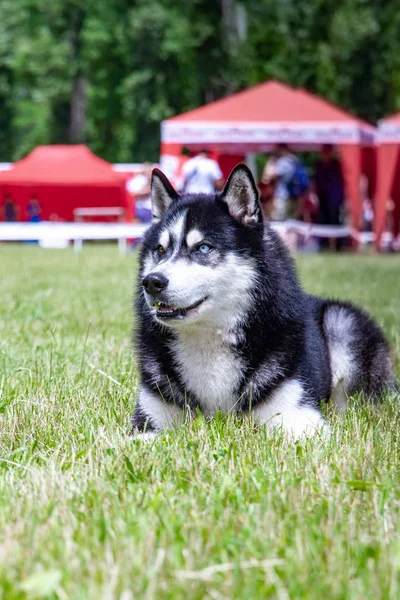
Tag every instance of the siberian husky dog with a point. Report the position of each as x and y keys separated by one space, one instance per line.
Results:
x=225 y=326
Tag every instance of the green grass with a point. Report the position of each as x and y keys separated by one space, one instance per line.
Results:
x=212 y=510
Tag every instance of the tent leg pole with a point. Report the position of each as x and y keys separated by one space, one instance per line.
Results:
x=78 y=243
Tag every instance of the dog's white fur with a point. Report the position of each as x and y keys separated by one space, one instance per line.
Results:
x=284 y=409
x=194 y=237
x=165 y=239
x=338 y=324
x=163 y=414
x=210 y=368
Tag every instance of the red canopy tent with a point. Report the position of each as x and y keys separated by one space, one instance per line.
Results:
x=62 y=178
x=388 y=174
x=258 y=118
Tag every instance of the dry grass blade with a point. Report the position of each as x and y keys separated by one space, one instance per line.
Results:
x=208 y=573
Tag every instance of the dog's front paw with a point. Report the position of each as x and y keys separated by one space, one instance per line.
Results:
x=145 y=436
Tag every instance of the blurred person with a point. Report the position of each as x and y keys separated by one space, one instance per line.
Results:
x=392 y=225
x=396 y=229
x=178 y=177
x=10 y=210
x=309 y=208
x=55 y=218
x=34 y=210
x=266 y=198
x=285 y=176
x=201 y=174
x=308 y=213
x=329 y=187
x=368 y=215
x=139 y=187
x=367 y=206
x=286 y=173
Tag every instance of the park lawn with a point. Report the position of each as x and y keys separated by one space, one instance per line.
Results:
x=213 y=510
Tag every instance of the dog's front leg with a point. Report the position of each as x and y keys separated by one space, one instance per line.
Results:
x=153 y=414
x=142 y=426
x=287 y=407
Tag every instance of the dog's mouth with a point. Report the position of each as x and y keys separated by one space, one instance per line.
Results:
x=169 y=311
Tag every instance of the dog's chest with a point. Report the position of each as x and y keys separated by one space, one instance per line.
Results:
x=209 y=368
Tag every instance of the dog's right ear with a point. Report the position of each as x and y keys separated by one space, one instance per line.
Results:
x=162 y=194
x=241 y=195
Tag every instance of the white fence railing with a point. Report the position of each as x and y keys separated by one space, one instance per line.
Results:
x=58 y=234
x=52 y=234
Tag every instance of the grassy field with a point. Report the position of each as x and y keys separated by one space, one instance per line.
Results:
x=213 y=510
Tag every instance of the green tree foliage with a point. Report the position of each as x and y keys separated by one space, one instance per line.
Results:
x=106 y=72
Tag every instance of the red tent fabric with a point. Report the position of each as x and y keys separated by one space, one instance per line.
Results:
x=258 y=118
x=388 y=175
x=62 y=178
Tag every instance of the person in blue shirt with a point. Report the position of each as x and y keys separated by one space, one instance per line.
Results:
x=34 y=210
x=279 y=171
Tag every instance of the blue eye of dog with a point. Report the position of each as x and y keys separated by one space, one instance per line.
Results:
x=204 y=248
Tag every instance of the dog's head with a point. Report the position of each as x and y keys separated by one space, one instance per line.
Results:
x=198 y=262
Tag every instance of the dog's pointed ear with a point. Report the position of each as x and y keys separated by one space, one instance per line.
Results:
x=241 y=195
x=162 y=194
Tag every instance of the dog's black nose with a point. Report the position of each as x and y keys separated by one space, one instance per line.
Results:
x=155 y=283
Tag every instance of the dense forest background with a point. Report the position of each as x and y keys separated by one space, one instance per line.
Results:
x=106 y=72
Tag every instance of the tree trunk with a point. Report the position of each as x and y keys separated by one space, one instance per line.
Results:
x=78 y=111
x=228 y=22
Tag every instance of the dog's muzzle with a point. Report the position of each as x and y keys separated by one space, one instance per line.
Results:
x=154 y=285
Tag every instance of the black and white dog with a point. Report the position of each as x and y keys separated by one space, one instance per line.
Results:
x=224 y=324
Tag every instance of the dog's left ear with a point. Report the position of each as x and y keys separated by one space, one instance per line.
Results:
x=241 y=195
x=162 y=194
